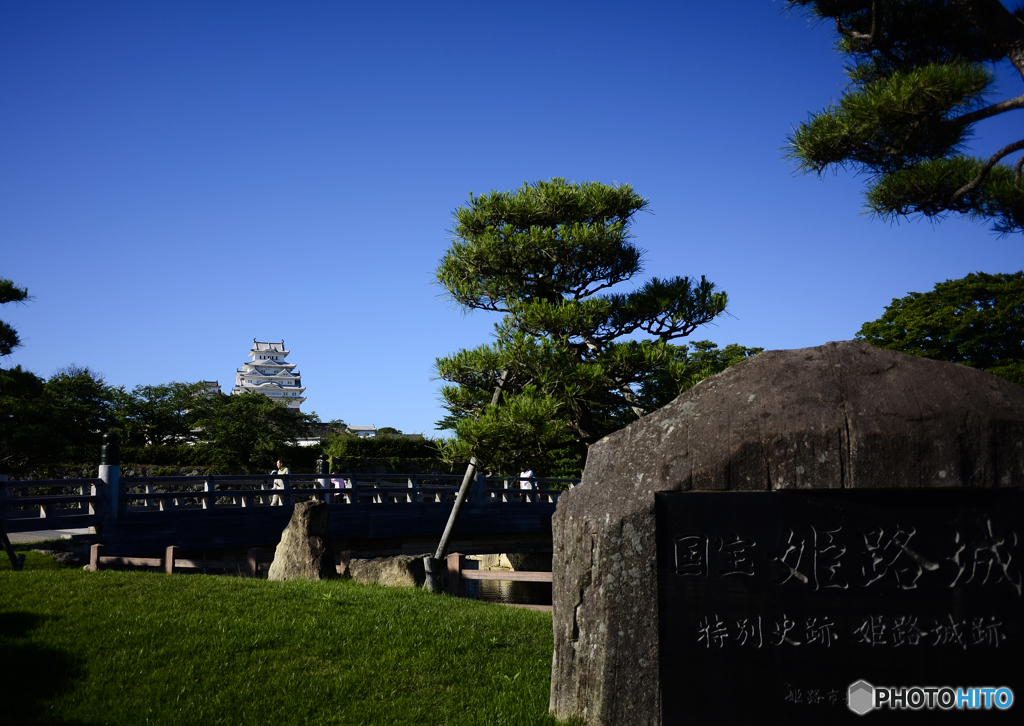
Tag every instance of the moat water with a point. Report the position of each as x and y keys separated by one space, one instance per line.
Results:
x=523 y=593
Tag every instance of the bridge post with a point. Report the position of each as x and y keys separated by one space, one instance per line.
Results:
x=170 y=554
x=254 y=555
x=478 y=494
x=286 y=494
x=455 y=563
x=110 y=473
x=209 y=486
x=323 y=482
x=95 y=553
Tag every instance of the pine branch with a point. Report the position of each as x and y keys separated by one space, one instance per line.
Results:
x=993 y=160
x=995 y=109
x=9 y=292
x=875 y=27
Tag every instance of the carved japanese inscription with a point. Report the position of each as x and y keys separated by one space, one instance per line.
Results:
x=772 y=603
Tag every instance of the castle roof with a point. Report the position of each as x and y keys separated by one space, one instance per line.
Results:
x=272 y=347
x=267 y=364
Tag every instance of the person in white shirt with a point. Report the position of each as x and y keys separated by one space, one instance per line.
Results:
x=281 y=470
x=526 y=482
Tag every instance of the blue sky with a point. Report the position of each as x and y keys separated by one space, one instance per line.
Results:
x=179 y=178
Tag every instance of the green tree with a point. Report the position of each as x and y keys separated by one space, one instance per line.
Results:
x=568 y=351
x=921 y=79
x=691 y=364
x=159 y=415
x=22 y=411
x=247 y=431
x=977 y=320
x=24 y=419
x=81 y=407
x=9 y=293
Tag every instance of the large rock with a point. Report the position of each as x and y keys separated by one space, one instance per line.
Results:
x=398 y=571
x=305 y=550
x=843 y=415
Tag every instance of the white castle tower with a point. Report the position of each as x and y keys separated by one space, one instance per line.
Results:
x=269 y=374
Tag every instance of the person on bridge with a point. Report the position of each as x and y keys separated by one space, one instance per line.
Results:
x=526 y=481
x=281 y=470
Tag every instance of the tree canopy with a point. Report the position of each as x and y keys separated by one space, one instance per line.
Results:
x=81 y=405
x=158 y=415
x=24 y=419
x=247 y=431
x=977 y=320
x=60 y=422
x=568 y=351
x=921 y=79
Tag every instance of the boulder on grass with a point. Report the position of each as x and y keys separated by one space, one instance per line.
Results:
x=399 y=571
x=305 y=550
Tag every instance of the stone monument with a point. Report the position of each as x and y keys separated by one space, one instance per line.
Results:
x=801 y=517
x=304 y=552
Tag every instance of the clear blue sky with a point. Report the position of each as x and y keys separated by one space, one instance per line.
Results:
x=177 y=178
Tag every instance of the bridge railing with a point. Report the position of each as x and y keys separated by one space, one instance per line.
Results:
x=31 y=505
x=73 y=503
x=263 y=490
x=543 y=490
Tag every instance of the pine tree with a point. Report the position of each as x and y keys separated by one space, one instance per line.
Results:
x=921 y=79
x=9 y=293
x=570 y=349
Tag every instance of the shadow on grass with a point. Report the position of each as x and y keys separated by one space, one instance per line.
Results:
x=32 y=675
x=56 y=557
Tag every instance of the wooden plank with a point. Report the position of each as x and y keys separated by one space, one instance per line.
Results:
x=181 y=564
x=50 y=499
x=509 y=575
x=132 y=561
x=32 y=524
x=542 y=608
x=41 y=483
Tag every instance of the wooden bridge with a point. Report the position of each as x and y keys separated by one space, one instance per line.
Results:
x=372 y=515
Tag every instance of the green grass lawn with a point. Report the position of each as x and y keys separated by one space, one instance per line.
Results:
x=139 y=648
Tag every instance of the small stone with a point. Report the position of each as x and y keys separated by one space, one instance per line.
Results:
x=69 y=559
x=399 y=571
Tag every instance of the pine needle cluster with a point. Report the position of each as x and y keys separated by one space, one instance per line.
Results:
x=921 y=79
